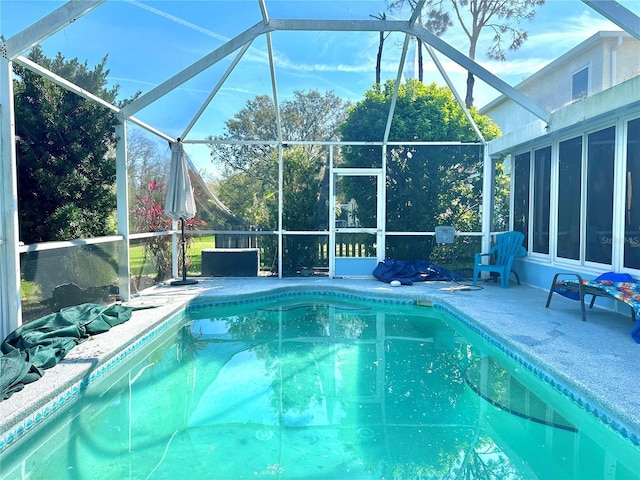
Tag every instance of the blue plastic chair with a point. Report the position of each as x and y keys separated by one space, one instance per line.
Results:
x=508 y=247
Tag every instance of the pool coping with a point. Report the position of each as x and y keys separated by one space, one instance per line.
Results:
x=89 y=361
x=85 y=364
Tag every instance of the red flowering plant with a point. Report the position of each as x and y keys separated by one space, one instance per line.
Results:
x=149 y=216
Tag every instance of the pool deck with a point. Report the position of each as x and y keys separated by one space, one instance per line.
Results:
x=597 y=359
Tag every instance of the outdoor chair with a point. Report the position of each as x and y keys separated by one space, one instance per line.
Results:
x=618 y=286
x=508 y=247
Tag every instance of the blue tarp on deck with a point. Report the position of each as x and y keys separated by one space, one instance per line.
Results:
x=409 y=271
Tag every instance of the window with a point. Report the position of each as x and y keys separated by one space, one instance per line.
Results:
x=570 y=181
x=521 y=175
x=580 y=84
x=632 y=197
x=541 y=199
x=600 y=161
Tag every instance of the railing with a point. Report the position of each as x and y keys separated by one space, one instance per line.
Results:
x=59 y=274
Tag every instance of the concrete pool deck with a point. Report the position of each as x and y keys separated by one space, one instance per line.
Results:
x=597 y=359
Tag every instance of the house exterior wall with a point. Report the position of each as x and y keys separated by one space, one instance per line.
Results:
x=612 y=58
x=612 y=105
x=626 y=58
x=617 y=112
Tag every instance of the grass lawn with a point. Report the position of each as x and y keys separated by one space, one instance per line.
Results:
x=194 y=253
x=141 y=264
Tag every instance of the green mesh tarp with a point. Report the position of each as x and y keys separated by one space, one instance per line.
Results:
x=42 y=343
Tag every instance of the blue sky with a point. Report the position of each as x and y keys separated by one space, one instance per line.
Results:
x=148 y=42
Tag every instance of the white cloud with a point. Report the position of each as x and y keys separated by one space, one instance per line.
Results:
x=575 y=30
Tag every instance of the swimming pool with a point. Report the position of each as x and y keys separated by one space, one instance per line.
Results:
x=322 y=386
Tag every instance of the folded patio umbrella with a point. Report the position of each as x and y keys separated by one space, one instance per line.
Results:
x=180 y=203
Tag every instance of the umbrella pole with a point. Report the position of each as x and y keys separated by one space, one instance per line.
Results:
x=184 y=280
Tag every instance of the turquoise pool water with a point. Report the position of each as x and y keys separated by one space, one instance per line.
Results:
x=321 y=387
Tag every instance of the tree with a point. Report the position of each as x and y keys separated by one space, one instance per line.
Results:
x=381 y=39
x=148 y=216
x=65 y=151
x=426 y=186
x=502 y=17
x=249 y=186
x=308 y=117
x=145 y=161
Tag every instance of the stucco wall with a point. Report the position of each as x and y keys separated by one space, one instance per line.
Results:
x=610 y=63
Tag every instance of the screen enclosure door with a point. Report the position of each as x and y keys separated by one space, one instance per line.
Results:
x=356 y=236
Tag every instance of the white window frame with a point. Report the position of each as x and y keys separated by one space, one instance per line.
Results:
x=574 y=97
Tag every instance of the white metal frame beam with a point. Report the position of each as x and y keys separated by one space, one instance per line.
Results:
x=394 y=98
x=63 y=82
x=276 y=106
x=427 y=37
x=72 y=87
x=10 y=304
x=10 y=300
x=403 y=58
x=618 y=14
x=215 y=90
x=445 y=75
x=335 y=25
x=195 y=68
x=48 y=25
x=122 y=196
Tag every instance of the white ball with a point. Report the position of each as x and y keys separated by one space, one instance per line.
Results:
x=395 y=283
